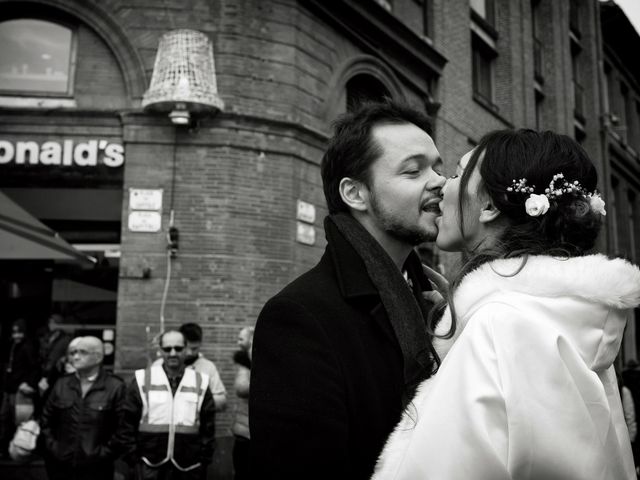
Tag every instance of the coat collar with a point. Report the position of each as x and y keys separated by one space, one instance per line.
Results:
x=98 y=384
x=594 y=282
x=592 y=278
x=351 y=273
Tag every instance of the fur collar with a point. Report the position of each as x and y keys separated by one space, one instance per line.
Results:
x=596 y=278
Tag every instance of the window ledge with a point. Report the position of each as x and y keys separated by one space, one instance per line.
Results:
x=488 y=28
x=37 y=102
x=491 y=108
x=486 y=41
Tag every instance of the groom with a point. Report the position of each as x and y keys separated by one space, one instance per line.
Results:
x=338 y=353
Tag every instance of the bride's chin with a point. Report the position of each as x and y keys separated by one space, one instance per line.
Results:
x=445 y=246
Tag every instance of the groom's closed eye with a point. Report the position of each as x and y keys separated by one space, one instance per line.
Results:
x=438 y=166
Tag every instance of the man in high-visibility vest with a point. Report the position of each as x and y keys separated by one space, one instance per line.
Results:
x=195 y=359
x=169 y=417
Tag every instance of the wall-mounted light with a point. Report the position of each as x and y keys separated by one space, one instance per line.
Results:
x=184 y=77
x=180 y=115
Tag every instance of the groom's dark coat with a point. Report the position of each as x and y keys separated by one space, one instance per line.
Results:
x=327 y=372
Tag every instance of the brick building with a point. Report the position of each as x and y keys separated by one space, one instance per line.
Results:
x=76 y=147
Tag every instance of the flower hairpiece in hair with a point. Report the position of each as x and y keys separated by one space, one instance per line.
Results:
x=538 y=204
x=597 y=203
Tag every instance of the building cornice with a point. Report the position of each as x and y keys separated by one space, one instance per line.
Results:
x=379 y=33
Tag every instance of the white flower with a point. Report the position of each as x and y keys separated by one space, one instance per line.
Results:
x=597 y=204
x=536 y=205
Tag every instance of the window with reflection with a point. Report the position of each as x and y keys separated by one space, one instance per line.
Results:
x=36 y=57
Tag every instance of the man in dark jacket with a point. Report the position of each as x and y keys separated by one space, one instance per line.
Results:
x=338 y=353
x=81 y=418
x=169 y=423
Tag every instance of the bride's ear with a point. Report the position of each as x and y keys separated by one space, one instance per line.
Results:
x=489 y=212
x=353 y=193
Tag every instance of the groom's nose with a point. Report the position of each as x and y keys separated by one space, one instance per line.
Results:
x=435 y=181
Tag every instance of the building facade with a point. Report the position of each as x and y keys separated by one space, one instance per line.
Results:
x=240 y=191
x=620 y=123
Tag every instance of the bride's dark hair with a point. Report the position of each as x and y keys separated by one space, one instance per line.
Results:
x=570 y=226
x=568 y=229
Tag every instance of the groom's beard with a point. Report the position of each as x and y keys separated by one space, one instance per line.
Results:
x=399 y=228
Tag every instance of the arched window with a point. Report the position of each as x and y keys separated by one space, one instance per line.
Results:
x=36 y=57
x=364 y=87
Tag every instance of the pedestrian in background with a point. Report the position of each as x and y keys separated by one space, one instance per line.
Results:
x=53 y=351
x=19 y=382
x=629 y=409
x=82 y=416
x=240 y=428
x=631 y=380
x=169 y=423
x=192 y=333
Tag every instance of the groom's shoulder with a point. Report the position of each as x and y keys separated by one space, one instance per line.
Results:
x=315 y=282
x=312 y=289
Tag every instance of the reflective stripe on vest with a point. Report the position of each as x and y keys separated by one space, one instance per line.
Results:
x=162 y=412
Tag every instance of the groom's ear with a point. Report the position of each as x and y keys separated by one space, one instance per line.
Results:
x=489 y=212
x=353 y=193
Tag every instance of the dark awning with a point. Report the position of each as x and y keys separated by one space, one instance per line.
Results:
x=24 y=237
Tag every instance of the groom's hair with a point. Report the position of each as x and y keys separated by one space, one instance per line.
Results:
x=352 y=150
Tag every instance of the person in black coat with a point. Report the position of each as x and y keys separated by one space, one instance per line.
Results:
x=81 y=420
x=20 y=377
x=338 y=353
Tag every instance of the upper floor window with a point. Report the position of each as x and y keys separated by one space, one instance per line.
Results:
x=427 y=18
x=539 y=108
x=623 y=112
x=538 y=50
x=578 y=89
x=482 y=65
x=574 y=16
x=36 y=58
x=484 y=9
x=364 y=88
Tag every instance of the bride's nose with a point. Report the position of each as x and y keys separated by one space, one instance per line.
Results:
x=444 y=187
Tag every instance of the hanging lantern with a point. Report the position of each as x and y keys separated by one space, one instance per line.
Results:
x=184 y=77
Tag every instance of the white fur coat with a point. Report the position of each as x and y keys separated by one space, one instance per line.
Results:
x=527 y=388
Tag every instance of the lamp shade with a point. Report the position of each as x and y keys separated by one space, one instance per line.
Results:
x=184 y=75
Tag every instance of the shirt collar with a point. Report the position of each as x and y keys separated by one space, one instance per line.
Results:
x=91 y=378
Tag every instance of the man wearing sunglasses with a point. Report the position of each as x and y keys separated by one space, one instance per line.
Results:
x=82 y=416
x=169 y=422
x=195 y=359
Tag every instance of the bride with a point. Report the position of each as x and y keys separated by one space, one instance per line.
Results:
x=527 y=388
